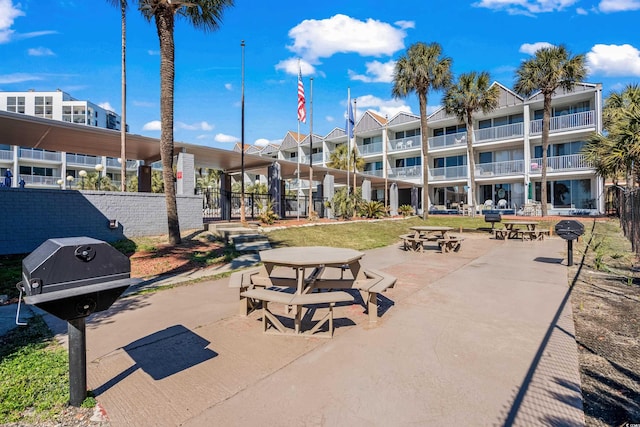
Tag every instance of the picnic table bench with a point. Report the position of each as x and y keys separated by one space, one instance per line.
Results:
x=450 y=243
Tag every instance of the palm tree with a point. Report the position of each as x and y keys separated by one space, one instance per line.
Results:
x=551 y=68
x=420 y=70
x=615 y=153
x=338 y=160
x=202 y=14
x=471 y=94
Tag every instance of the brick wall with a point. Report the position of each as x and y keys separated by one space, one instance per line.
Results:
x=30 y=216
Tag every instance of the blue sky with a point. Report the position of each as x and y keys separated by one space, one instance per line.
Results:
x=74 y=45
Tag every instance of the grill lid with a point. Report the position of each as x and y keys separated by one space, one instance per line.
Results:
x=569 y=229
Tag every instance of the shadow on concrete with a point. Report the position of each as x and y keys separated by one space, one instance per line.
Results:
x=549 y=260
x=164 y=353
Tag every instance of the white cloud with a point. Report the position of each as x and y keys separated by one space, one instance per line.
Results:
x=614 y=60
x=381 y=107
x=330 y=119
x=21 y=36
x=221 y=137
x=314 y=39
x=8 y=12
x=377 y=72
x=228 y=86
x=525 y=7
x=153 y=52
x=581 y=11
x=290 y=66
x=146 y=104
x=40 y=51
x=609 y=6
x=532 y=48
x=106 y=106
x=18 y=78
x=405 y=24
x=153 y=125
x=261 y=142
x=196 y=126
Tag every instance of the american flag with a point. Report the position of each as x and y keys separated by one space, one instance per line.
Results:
x=302 y=111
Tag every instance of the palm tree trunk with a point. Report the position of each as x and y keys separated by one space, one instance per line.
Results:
x=424 y=136
x=165 y=27
x=472 y=164
x=546 y=121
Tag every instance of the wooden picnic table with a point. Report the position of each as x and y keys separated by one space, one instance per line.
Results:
x=422 y=233
x=518 y=229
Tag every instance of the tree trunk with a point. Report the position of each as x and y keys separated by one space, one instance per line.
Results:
x=472 y=164
x=424 y=136
x=546 y=122
x=165 y=26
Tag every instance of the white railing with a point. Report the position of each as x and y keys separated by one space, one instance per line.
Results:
x=410 y=142
x=566 y=122
x=374 y=172
x=447 y=173
x=496 y=133
x=29 y=153
x=115 y=163
x=451 y=140
x=563 y=163
x=407 y=172
x=369 y=149
x=511 y=167
x=6 y=155
x=40 y=180
x=317 y=157
x=82 y=159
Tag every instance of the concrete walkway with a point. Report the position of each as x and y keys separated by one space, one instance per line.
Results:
x=480 y=337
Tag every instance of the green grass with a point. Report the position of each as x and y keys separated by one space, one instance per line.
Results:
x=10 y=274
x=34 y=381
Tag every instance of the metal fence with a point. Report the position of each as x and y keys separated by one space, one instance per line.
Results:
x=630 y=216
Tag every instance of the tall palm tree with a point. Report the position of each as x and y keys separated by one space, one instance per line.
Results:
x=202 y=14
x=422 y=69
x=472 y=93
x=338 y=159
x=550 y=68
x=616 y=153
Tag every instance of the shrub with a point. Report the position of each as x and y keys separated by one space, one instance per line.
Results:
x=372 y=209
x=406 y=210
x=267 y=215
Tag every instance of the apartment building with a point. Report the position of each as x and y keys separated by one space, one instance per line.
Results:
x=51 y=169
x=507 y=149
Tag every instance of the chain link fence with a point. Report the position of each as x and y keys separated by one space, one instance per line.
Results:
x=629 y=208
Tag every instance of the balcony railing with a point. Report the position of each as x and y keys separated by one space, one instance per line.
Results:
x=448 y=173
x=40 y=180
x=115 y=163
x=407 y=172
x=317 y=158
x=585 y=119
x=451 y=140
x=496 y=133
x=410 y=142
x=369 y=149
x=6 y=155
x=511 y=167
x=563 y=163
x=374 y=172
x=29 y=153
x=82 y=160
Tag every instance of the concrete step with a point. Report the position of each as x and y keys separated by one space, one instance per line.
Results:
x=250 y=242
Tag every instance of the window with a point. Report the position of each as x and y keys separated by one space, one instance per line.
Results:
x=15 y=104
x=406 y=133
x=372 y=140
x=486 y=157
x=35 y=171
x=43 y=106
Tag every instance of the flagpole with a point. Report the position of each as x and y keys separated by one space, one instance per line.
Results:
x=243 y=219
x=348 y=140
x=311 y=149
x=298 y=170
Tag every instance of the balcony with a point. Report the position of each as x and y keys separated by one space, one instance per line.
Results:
x=82 y=160
x=411 y=142
x=451 y=140
x=374 y=172
x=370 y=149
x=574 y=121
x=6 y=155
x=407 y=172
x=448 y=173
x=511 y=167
x=317 y=158
x=571 y=162
x=33 y=154
x=498 y=133
x=40 y=180
x=115 y=163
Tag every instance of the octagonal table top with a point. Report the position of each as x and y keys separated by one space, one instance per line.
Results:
x=310 y=256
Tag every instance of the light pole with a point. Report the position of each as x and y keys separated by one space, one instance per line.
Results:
x=83 y=174
x=60 y=182
x=243 y=219
x=69 y=180
x=99 y=168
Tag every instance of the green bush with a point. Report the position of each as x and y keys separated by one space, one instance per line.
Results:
x=267 y=215
x=372 y=209
x=406 y=210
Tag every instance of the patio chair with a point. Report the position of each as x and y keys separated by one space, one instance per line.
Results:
x=488 y=204
x=502 y=204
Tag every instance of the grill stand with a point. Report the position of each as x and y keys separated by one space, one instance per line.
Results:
x=77 y=361
x=569 y=253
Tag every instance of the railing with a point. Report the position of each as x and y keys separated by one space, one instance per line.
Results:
x=374 y=172
x=496 y=133
x=407 y=172
x=115 y=163
x=6 y=155
x=447 y=173
x=511 y=167
x=564 y=163
x=40 y=180
x=82 y=159
x=451 y=140
x=566 y=122
x=29 y=153
x=317 y=157
x=369 y=149
x=410 y=142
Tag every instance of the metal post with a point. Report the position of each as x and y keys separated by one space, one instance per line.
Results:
x=243 y=219
x=77 y=361
x=569 y=253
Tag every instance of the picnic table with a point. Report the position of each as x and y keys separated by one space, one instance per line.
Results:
x=519 y=230
x=423 y=233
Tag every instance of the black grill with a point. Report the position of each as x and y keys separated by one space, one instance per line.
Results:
x=569 y=229
x=492 y=217
x=75 y=276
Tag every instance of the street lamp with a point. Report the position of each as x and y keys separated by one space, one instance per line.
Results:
x=60 y=182
x=83 y=174
x=69 y=180
x=99 y=168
